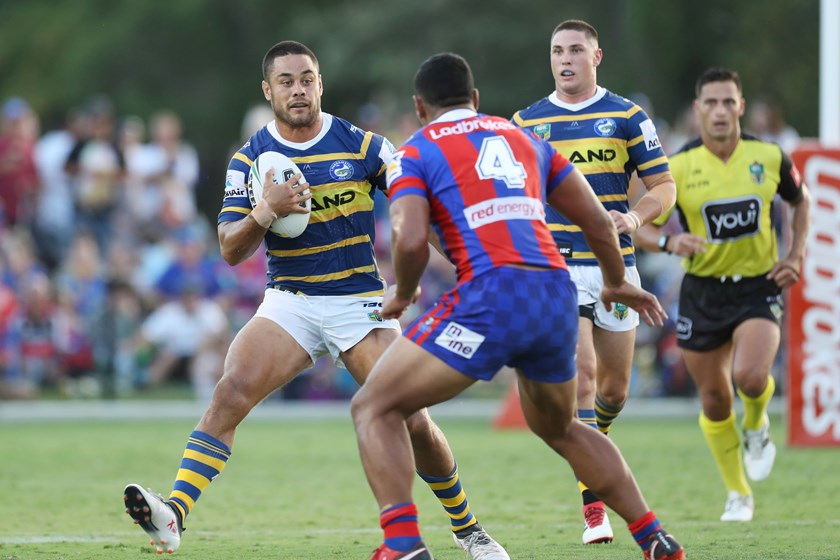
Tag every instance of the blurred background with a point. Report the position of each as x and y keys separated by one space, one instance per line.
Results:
x=119 y=118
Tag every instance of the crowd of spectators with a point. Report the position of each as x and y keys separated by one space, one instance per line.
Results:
x=111 y=284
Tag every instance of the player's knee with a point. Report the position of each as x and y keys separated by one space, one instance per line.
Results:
x=613 y=395
x=751 y=381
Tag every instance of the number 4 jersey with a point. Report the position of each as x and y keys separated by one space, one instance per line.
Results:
x=486 y=181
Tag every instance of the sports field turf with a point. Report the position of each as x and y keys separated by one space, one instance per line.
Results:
x=295 y=489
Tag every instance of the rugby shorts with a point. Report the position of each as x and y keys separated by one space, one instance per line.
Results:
x=711 y=308
x=590 y=282
x=324 y=324
x=526 y=319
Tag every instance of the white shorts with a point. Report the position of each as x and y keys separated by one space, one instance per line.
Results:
x=590 y=282
x=325 y=324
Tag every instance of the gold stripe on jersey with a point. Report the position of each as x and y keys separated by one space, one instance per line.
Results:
x=312 y=250
x=590 y=255
x=592 y=155
x=612 y=197
x=243 y=158
x=361 y=154
x=343 y=198
x=240 y=209
x=328 y=277
x=571 y=118
x=563 y=227
x=653 y=163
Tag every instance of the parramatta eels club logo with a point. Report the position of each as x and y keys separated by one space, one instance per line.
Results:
x=543 y=131
x=605 y=127
x=620 y=311
x=341 y=170
x=757 y=172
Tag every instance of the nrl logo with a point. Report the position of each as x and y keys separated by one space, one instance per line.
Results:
x=543 y=131
x=757 y=172
x=620 y=311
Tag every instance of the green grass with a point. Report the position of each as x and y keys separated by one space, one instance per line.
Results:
x=295 y=490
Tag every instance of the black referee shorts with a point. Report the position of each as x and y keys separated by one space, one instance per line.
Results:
x=711 y=308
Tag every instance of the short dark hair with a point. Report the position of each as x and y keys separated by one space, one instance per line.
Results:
x=577 y=25
x=717 y=74
x=444 y=80
x=284 y=48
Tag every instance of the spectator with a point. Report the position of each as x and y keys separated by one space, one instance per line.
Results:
x=54 y=212
x=766 y=120
x=18 y=175
x=189 y=336
x=98 y=169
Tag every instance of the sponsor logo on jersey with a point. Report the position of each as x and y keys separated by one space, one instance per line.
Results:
x=605 y=127
x=543 y=131
x=341 y=170
x=506 y=208
x=427 y=325
x=683 y=328
x=592 y=155
x=470 y=125
x=235 y=184
x=460 y=340
x=565 y=249
x=339 y=199
x=757 y=172
x=649 y=133
x=728 y=220
x=620 y=311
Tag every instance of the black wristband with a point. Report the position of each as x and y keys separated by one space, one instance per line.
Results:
x=663 y=244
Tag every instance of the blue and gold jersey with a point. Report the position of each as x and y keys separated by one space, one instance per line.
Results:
x=607 y=137
x=344 y=166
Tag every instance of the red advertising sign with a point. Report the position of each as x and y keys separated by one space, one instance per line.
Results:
x=814 y=311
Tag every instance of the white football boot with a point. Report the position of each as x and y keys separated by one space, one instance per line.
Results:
x=759 y=451
x=155 y=516
x=738 y=508
x=478 y=545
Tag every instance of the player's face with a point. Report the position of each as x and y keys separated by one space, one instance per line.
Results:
x=294 y=89
x=720 y=107
x=574 y=58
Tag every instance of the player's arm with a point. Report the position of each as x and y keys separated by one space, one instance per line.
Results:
x=575 y=198
x=239 y=239
x=659 y=198
x=787 y=271
x=409 y=252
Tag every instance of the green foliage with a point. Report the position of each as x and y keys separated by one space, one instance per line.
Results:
x=202 y=57
x=295 y=489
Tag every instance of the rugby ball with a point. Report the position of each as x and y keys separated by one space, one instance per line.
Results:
x=290 y=225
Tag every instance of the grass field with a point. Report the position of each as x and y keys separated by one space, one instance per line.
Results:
x=295 y=489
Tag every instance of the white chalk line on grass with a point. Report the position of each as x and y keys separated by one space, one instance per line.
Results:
x=122 y=537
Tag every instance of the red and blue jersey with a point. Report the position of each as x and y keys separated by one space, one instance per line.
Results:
x=486 y=181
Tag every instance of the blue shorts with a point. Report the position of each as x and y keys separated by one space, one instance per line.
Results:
x=526 y=319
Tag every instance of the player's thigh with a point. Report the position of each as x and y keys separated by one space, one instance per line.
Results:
x=614 y=351
x=361 y=358
x=711 y=372
x=407 y=378
x=548 y=407
x=262 y=358
x=585 y=360
x=755 y=343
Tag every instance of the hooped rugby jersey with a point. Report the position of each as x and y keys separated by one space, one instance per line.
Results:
x=730 y=204
x=344 y=166
x=486 y=181
x=607 y=137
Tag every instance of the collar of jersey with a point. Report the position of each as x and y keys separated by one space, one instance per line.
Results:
x=325 y=127
x=599 y=94
x=455 y=115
